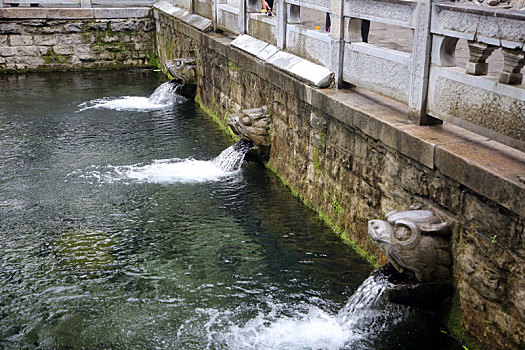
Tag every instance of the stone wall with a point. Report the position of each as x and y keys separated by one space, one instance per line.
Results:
x=354 y=157
x=65 y=42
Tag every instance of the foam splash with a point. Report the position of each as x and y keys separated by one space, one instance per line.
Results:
x=162 y=171
x=313 y=329
x=173 y=170
x=163 y=97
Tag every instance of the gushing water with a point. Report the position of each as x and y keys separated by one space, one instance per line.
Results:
x=165 y=93
x=366 y=314
x=232 y=157
x=174 y=170
x=164 y=96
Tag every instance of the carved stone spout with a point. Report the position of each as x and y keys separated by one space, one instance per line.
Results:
x=416 y=242
x=252 y=124
x=183 y=70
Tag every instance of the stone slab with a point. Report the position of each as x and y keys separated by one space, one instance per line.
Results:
x=129 y=12
x=249 y=44
x=310 y=72
x=488 y=168
x=76 y=13
x=267 y=52
x=24 y=13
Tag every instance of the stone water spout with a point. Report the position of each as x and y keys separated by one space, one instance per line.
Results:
x=252 y=124
x=416 y=243
x=184 y=71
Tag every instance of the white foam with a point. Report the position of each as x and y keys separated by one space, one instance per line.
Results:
x=163 y=97
x=175 y=170
x=315 y=329
x=163 y=171
x=134 y=103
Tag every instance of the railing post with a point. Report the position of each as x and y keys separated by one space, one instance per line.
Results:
x=242 y=16
x=214 y=14
x=282 y=21
x=338 y=45
x=85 y=3
x=418 y=87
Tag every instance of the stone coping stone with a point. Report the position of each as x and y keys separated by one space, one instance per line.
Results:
x=305 y=70
x=74 y=13
x=483 y=11
x=203 y=24
x=256 y=47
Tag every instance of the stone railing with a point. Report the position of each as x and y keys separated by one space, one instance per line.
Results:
x=428 y=82
x=77 y=3
x=490 y=104
x=391 y=73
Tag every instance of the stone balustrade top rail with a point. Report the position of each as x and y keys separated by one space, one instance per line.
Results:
x=76 y=3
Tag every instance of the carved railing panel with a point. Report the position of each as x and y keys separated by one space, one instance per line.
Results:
x=468 y=94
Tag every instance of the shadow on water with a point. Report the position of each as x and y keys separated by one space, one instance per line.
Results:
x=121 y=230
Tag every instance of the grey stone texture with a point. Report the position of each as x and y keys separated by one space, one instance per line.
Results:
x=355 y=157
x=75 y=44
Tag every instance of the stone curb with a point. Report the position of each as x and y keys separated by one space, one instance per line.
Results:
x=74 y=13
x=305 y=70
x=200 y=23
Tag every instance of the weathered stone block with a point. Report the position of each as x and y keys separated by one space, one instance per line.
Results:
x=6 y=51
x=45 y=40
x=32 y=13
x=121 y=25
x=10 y=28
x=74 y=27
x=21 y=40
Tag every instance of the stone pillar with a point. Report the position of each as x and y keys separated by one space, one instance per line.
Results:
x=281 y=23
x=513 y=62
x=243 y=13
x=479 y=52
x=338 y=44
x=85 y=3
x=214 y=14
x=418 y=86
x=294 y=14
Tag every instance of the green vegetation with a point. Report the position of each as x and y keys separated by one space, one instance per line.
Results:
x=215 y=116
x=338 y=229
x=317 y=164
x=154 y=60
x=51 y=57
x=451 y=318
x=233 y=66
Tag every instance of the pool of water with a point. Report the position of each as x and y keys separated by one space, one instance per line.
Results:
x=115 y=233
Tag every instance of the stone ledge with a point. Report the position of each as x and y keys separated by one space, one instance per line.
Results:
x=312 y=73
x=487 y=167
x=200 y=23
x=74 y=13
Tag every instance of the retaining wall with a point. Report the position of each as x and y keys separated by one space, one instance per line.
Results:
x=354 y=156
x=41 y=39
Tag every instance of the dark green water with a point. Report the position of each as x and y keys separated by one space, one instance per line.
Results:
x=113 y=237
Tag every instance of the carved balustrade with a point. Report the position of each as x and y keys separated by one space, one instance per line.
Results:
x=469 y=95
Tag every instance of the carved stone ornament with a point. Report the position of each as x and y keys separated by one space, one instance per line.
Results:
x=183 y=69
x=416 y=242
x=252 y=124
